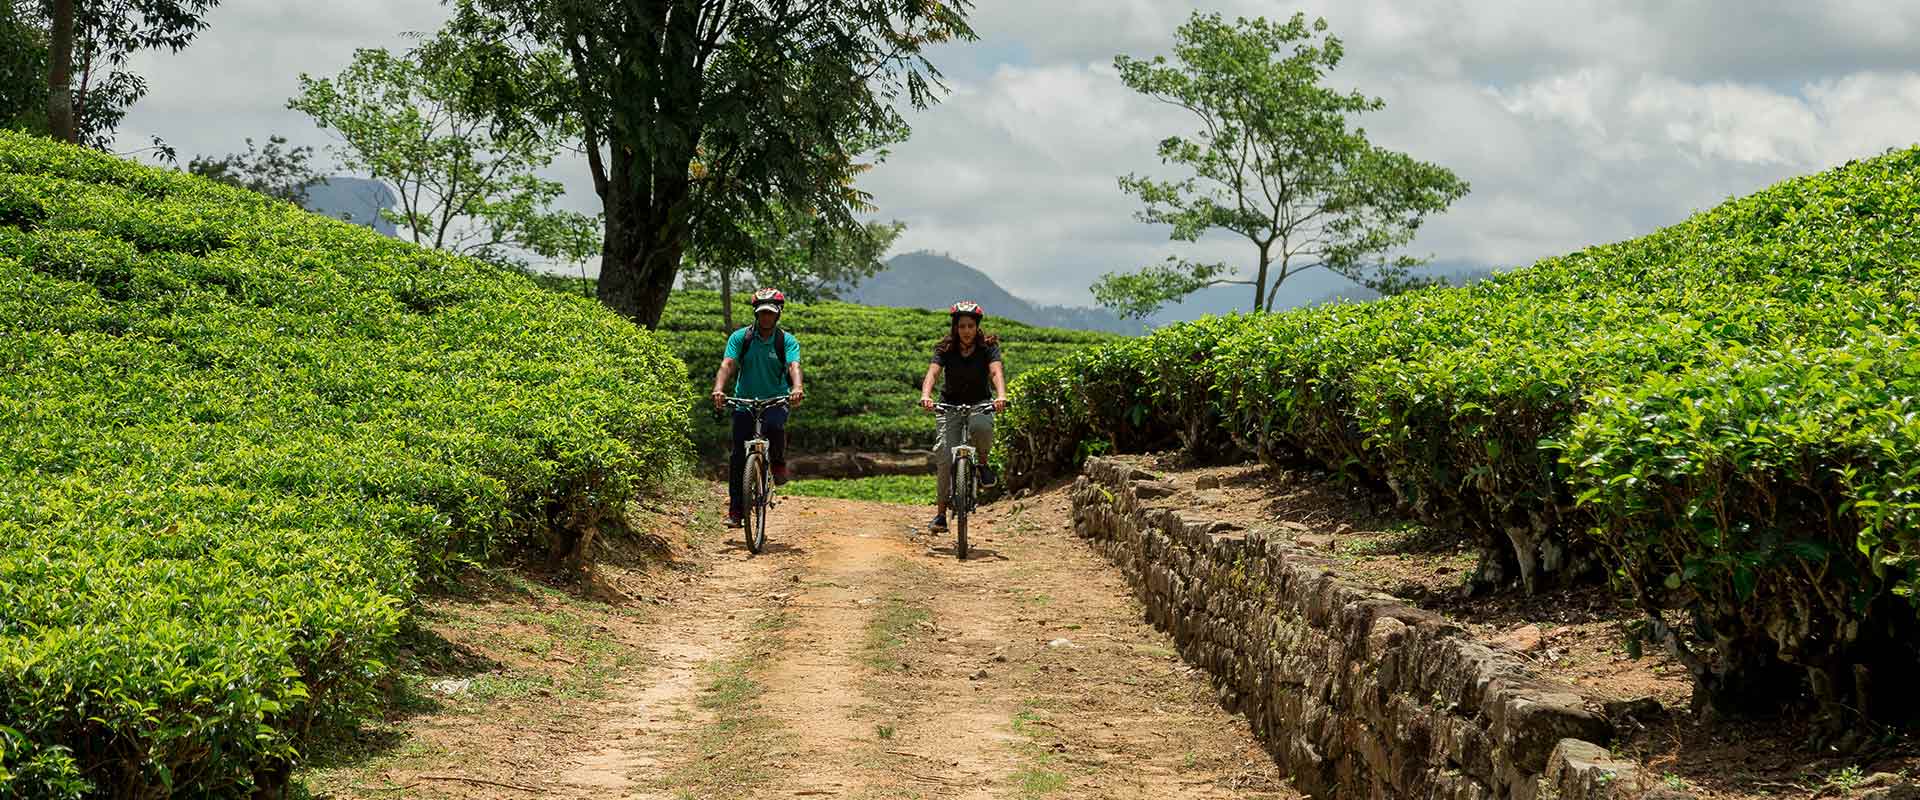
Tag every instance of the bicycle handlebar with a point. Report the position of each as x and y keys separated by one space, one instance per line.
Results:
x=972 y=408
x=750 y=404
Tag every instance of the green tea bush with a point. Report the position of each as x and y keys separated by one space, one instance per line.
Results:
x=1553 y=415
x=234 y=437
x=863 y=366
x=1776 y=490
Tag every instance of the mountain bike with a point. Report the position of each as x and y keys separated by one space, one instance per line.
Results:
x=757 y=475
x=966 y=475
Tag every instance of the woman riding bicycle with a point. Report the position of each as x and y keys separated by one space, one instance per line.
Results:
x=971 y=359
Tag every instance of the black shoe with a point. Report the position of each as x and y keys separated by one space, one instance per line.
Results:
x=987 y=478
x=780 y=475
x=938 y=523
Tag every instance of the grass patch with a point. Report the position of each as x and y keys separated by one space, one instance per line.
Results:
x=901 y=489
x=1406 y=539
x=889 y=629
x=1038 y=781
x=1038 y=778
x=728 y=753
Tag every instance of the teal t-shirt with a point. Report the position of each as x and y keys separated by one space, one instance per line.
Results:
x=760 y=375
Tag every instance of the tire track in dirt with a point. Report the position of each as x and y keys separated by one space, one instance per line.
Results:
x=644 y=721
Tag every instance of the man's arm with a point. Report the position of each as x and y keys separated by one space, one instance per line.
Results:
x=926 y=386
x=999 y=375
x=727 y=368
x=794 y=380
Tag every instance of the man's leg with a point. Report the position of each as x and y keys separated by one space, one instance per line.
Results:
x=737 y=462
x=774 y=425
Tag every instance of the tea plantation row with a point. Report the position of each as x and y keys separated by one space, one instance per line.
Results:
x=1723 y=417
x=862 y=365
x=234 y=439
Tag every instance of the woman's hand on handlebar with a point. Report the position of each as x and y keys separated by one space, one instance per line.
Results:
x=999 y=404
x=926 y=403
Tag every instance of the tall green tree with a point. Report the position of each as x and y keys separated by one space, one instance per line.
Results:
x=23 y=68
x=464 y=186
x=1276 y=160
x=90 y=42
x=772 y=99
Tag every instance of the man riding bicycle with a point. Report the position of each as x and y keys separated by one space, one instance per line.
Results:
x=767 y=360
x=971 y=359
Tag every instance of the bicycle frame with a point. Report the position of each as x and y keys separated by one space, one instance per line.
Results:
x=963 y=450
x=964 y=489
x=760 y=483
x=758 y=408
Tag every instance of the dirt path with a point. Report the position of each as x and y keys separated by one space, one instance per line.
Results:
x=858 y=658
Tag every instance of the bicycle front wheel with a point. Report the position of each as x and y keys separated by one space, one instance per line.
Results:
x=754 y=522
x=962 y=504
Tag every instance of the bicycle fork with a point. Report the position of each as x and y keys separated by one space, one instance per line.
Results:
x=967 y=452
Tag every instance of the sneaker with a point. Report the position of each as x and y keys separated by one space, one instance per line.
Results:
x=733 y=520
x=780 y=475
x=987 y=477
x=938 y=523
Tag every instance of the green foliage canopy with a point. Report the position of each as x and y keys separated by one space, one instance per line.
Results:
x=463 y=185
x=1278 y=162
x=692 y=108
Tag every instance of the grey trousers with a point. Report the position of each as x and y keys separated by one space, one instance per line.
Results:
x=978 y=431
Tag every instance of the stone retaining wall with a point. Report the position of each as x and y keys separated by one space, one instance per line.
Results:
x=1356 y=694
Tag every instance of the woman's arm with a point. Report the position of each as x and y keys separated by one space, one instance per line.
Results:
x=926 y=386
x=999 y=375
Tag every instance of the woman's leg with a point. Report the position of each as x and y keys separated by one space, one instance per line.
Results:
x=949 y=437
x=980 y=434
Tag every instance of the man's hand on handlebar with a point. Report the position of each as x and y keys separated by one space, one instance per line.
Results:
x=797 y=395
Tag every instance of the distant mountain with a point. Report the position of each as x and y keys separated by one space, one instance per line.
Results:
x=928 y=280
x=931 y=280
x=1308 y=289
x=356 y=200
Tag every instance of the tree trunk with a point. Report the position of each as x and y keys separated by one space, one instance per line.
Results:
x=60 y=121
x=646 y=235
x=726 y=300
x=1260 y=283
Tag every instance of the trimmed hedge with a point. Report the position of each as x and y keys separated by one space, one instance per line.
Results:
x=233 y=439
x=863 y=366
x=1557 y=416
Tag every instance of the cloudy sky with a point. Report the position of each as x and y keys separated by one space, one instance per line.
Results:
x=1576 y=122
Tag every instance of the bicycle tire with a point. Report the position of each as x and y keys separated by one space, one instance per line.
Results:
x=962 y=504
x=754 y=520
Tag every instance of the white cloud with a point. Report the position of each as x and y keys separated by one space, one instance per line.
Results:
x=1581 y=122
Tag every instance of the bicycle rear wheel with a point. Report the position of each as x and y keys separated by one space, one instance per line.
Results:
x=962 y=503
x=753 y=523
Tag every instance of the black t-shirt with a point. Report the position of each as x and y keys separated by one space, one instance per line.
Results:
x=967 y=375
